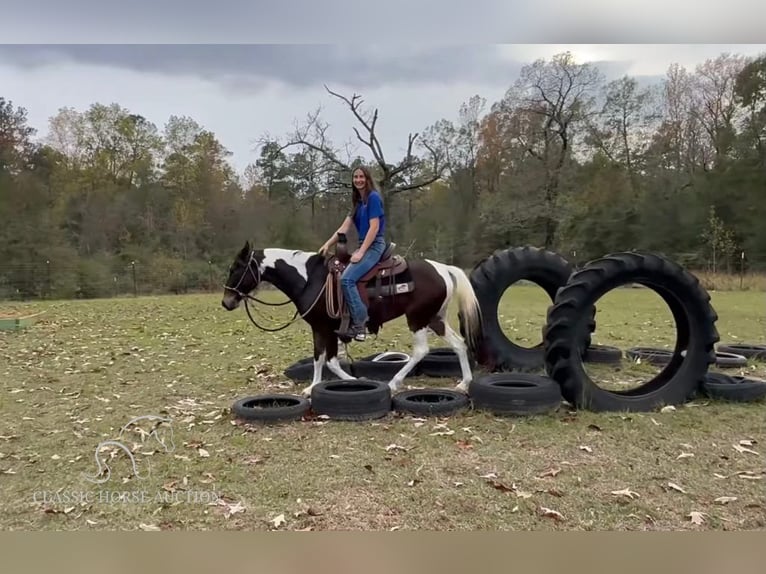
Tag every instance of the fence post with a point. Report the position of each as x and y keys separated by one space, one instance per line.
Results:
x=741 y=270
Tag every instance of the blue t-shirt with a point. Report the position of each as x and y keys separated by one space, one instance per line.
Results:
x=364 y=212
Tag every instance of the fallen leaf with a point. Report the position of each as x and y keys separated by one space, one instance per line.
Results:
x=626 y=492
x=725 y=499
x=550 y=513
x=676 y=487
x=741 y=449
x=594 y=427
x=696 y=517
x=203 y=453
x=685 y=455
x=586 y=448
x=278 y=521
x=496 y=484
x=747 y=442
x=550 y=472
x=668 y=409
x=391 y=447
x=149 y=527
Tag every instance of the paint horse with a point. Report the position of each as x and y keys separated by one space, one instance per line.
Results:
x=418 y=289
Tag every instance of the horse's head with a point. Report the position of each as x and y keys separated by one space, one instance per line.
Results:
x=244 y=277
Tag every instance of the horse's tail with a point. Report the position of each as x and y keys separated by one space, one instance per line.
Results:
x=470 y=311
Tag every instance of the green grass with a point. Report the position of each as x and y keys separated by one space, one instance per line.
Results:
x=88 y=367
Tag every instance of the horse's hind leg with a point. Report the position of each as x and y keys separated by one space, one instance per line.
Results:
x=441 y=327
x=419 y=350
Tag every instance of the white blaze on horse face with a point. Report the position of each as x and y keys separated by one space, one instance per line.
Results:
x=298 y=260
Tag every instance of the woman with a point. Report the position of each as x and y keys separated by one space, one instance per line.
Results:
x=367 y=216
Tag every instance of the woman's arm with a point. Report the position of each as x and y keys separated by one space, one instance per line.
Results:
x=344 y=228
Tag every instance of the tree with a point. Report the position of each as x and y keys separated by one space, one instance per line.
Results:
x=541 y=113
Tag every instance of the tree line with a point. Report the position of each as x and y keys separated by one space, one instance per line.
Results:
x=107 y=200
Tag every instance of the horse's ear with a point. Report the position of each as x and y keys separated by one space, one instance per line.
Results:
x=245 y=249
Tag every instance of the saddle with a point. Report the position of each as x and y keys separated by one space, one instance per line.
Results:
x=388 y=278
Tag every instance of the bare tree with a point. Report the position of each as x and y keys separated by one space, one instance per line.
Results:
x=409 y=173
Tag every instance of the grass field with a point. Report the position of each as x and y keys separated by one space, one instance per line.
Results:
x=88 y=367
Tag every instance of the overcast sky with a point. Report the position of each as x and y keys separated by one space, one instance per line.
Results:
x=412 y=68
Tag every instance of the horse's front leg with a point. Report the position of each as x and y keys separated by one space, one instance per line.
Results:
x=320 y=355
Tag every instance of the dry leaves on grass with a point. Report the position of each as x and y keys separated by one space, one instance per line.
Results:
x=742 y=449
x=550 y=513
x=696 y=517
x=626 y=492
x=725 y=499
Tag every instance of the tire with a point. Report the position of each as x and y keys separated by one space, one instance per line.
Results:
x=652 y=355
x=441 y=362
x=749 y=351
x=429 y=402
x=689 y=303
x=271 y=408
x=732 y=388
x=382 y=366
x=515 y=394
x=729 y=360
x=604 y=354
x=491 y=278
x=303 y=370
x=351 y=400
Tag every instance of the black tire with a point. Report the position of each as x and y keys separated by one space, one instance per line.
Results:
x=303 y=370
x=441 y=362
x=729 y=360
x=271 y=408
x=352 y=399
x=382 y=366
x=749 y=351
x=604 y=354
x=515 y=394
x=723 y=387
x=689 y=303
x=491 y=278
x=429 y=401
x=651 y=355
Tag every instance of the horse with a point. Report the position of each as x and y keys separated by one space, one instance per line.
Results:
x=418 y=289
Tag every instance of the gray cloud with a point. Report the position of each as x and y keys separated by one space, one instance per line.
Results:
x=300 y=66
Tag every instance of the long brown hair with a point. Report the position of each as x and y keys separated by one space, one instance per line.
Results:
x=356 y=197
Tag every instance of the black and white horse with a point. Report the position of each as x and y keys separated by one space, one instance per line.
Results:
x=302 y=276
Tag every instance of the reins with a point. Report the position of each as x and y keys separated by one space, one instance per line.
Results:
x=247 y=297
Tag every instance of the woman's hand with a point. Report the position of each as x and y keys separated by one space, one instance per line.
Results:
x=356 y=256
x=324 y=249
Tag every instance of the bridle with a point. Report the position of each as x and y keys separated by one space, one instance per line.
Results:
x=256 y=274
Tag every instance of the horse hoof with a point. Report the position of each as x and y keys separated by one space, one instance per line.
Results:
x=462 y=388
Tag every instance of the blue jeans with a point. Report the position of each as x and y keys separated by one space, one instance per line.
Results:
x=353 y=273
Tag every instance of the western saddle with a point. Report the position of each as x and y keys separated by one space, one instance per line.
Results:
x=387 y=278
